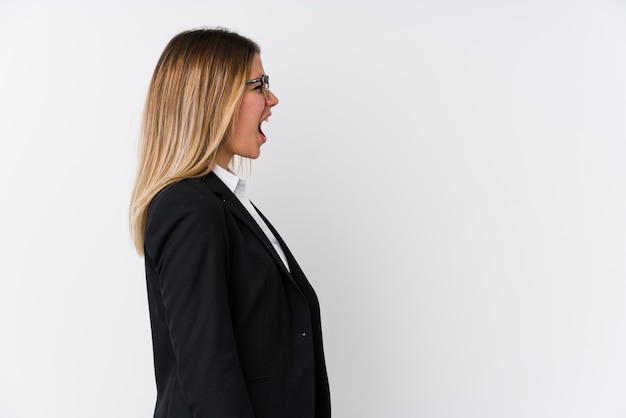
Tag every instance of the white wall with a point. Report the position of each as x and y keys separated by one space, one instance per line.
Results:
x=450 y=175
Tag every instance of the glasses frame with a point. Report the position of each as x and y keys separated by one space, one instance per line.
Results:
x=265 y=84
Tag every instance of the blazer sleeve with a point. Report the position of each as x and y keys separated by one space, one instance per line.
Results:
x=186 y=239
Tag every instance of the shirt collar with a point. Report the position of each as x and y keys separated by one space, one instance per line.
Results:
x=230 y=179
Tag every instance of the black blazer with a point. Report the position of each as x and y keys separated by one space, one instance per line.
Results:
x=234 y=333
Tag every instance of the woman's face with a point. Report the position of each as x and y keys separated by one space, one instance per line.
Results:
x=255 y=109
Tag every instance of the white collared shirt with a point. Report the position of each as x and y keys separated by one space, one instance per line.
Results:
x=238 y=187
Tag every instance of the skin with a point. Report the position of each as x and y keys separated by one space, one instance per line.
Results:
x=254 y=110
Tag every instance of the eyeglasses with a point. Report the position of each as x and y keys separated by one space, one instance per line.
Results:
x=265 y=84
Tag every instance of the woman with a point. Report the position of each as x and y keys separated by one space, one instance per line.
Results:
x=235 y=324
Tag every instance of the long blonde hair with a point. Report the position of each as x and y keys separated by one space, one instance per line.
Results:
x=190 y=110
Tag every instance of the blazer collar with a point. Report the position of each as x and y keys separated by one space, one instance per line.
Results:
x=238 y=210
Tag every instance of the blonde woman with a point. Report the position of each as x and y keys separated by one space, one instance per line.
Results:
x=235 y=323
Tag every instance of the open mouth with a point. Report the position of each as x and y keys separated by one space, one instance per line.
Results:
x=261 y=130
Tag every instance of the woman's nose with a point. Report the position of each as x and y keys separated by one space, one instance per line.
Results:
x=271 y=100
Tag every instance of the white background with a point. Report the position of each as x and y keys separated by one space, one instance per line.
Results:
x=450 y=174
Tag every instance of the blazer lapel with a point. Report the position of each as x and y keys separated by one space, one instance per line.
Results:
x=238 y=210
x=297 y=275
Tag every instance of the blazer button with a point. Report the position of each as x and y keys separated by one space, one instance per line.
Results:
x=302 y=334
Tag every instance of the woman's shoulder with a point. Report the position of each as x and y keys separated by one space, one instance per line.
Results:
x=185 y=197
x=183 y=212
